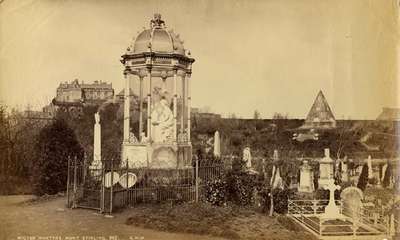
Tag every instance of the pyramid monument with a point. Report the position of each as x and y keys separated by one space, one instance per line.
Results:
x=320 y=115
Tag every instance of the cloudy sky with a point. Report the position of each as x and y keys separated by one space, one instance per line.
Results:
x=273 y=55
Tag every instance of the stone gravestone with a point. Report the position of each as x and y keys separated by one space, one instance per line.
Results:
x=217 y=145
x=306 y=178
x=351 y=199
x=276 y=179
x=247 y=157
x=325 y=170
x=370 y=171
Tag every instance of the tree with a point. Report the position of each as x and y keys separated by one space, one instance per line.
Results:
x=363 y=179
x=56 y=143
x=256 y=115
x=388 y=175
x=280 y=116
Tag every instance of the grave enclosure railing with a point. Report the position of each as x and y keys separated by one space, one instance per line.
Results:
x=309 y=213
x=97 y=187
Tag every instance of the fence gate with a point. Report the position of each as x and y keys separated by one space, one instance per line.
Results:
x=85 y=186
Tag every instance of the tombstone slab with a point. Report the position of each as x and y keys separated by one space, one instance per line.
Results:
x=306 y=178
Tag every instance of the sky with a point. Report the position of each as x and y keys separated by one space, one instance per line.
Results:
x=272 y=56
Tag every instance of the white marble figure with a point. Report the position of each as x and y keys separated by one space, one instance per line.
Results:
x=247 y=157
x=97 y=118
x=132 y=138
x=182 y=136
x=143 y=138
x=162 y=121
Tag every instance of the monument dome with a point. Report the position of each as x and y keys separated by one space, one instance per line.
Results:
x=158 y=39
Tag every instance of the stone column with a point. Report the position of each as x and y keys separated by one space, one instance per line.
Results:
x=149 y=97
x=183 y=104
x=126 y=106
x=140 y=107
x=175 y=102
x=189 y=99
x=96 y=164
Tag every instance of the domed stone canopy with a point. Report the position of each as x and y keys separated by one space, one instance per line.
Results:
x=159 y=50
x=162 y=68
x=158 y=39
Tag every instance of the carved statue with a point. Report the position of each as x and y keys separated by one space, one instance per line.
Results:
x=143 y=138
x=182 y=136
x=132 y=138
x=156 y=21
x=162 y=122
x=97 y=117
x=247 y=157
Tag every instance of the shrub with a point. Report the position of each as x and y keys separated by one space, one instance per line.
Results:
x=241 y=187
x=215 y=192
x=56 y=143
x=281 y=197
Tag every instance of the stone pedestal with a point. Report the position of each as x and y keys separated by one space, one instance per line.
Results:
x=156 y=155
x=306 y=178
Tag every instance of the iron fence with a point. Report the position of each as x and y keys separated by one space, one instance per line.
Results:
x=112 y=185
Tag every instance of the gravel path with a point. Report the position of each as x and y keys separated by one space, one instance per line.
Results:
x=50 y=220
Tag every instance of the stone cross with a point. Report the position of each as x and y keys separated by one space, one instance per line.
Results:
x=332 y=188
x=332 y=211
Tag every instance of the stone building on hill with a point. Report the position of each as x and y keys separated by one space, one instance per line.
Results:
x=320 y=115
x=72 y=96
x=389 y=114
x=75 y=92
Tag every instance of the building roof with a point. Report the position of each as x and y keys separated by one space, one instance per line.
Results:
x=389 y=114
x=320 y=113
x=158 y=38
x=95 y=85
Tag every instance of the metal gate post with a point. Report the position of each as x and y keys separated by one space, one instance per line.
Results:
x=75 y=182
x=102 y=189
x=68 y=179
x=112 y=183
x=84 y=168
x=197 y=180
x=127 y=192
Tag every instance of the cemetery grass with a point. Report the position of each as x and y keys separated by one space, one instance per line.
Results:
x=230 y=222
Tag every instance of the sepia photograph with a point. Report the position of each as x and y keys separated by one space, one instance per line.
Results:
x=199 y=119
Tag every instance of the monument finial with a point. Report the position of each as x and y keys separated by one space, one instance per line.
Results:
x=156 y=22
